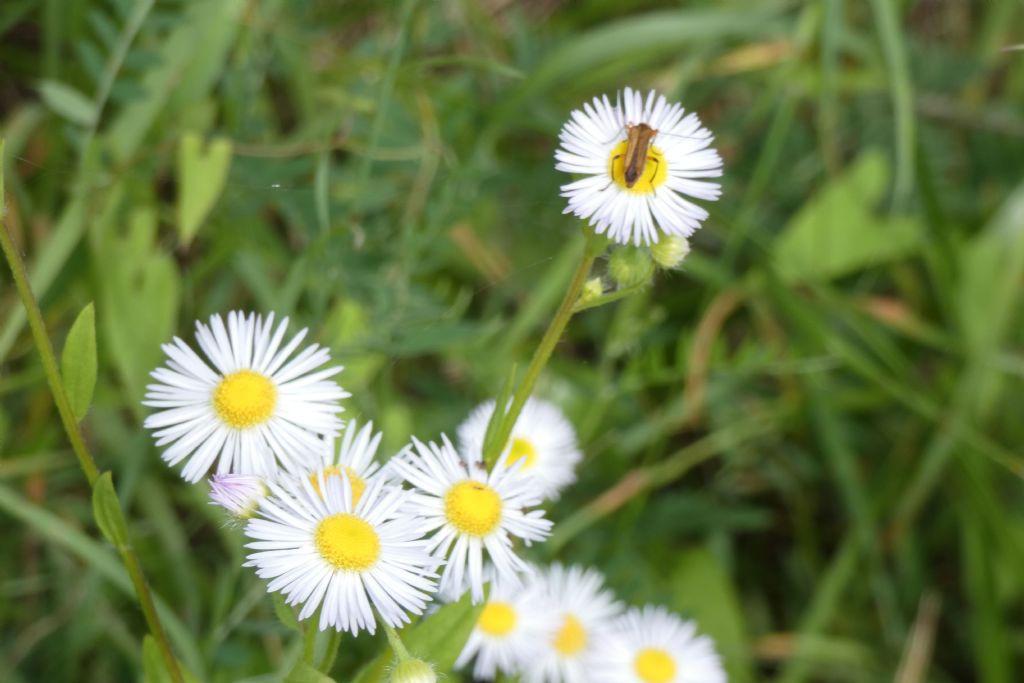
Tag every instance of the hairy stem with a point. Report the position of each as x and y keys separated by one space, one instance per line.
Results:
x=67 y=418
x=593 y=247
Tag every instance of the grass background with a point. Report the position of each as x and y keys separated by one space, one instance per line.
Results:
x=809 y=439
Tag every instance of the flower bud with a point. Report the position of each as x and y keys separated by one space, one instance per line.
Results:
x=239 y=494
x=592 y=290
x=669 y=251
x=630 y=267
x=413 y=671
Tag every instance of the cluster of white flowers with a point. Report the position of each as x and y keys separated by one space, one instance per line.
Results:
x=565 y=627
x=350 y=540
x=331 y=528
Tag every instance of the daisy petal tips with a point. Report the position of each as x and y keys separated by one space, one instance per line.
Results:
x=473 y=513
x=322 y=549
x=652 y=645
x=640 y=160
x=251 y=408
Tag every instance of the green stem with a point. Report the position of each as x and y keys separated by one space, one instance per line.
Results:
x=309 y=639
x=610 y=297
x=330 y=652
x=67 y=417
x=594 y=246
x=396 y=643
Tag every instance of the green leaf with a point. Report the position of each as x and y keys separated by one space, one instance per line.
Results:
x=703 y=591
x=837 y=233
x=107 y=510
x=139 y=291
x=78 y=362
x=306 y=673
x=153 y=668
x=285 y=613
x=438 y=639
x=201 y=177
x=68 y=103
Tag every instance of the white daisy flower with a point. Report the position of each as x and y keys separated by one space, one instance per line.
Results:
x=321 y=549
x=581 y=612
x=239 y=494
x=641 y=158
x=653 y=645
x=507 y=634
x=475 y=514
x=542 y=439
x=353 y=456
x=254 y=408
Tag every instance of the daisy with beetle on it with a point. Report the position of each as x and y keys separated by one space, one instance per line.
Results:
x=473 y=513
x=578 y=611
x=652 y=645
x=542 y=439
x=322 y=549
x=256 y=408
x=641 y=159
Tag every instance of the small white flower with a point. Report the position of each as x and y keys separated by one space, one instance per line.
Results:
x=507 y=634
x=636 y=202
x=653 y=645
x=253 y=409
x=353 y=456
x=474 y=513
x=542 y=440
x=239 y=494
x=320 y=548
x=578 y=612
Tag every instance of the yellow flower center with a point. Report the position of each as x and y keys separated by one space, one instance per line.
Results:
x=571 y=638
x=347 y=542
x=245 y=399
x=358 y=485
x=522 y=450
x=654 y=173
x=654 y=665
x=473 y=507
x=497 y=619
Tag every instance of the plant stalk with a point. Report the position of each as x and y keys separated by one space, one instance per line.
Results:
x=592 y=248
x=74 y=433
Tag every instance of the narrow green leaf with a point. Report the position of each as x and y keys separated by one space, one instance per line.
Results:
x=438 y=639
x=107 y=510
x=78 y=362
x=202 y=173
x=305 y=673
x=702 y=590
x=285 y=613
x=67 y=102
x=153 y=668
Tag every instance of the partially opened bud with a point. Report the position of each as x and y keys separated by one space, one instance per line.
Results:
x=239 y=494
x=413 y=671
x=669 y=251
x=592 y=290
x=630 y=267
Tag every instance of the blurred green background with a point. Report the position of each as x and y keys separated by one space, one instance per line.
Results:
x=811 y=434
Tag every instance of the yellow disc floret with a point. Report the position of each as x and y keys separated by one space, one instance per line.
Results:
x=473 y=507
x=357 y=482
x=571 y=638
x=347 y=542
x=654 y=665
x=655 y=171
x=522 y=449
x=497 y=619
x=245 y=399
